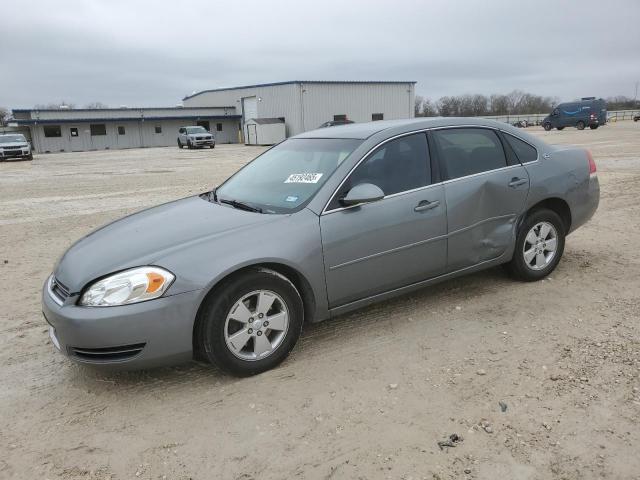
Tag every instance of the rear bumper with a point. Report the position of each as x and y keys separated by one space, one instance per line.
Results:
x=142 y=335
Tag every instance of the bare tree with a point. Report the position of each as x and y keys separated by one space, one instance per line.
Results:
x=429 y=109
x=4 y=116
x=417 y=106
x=96 y=105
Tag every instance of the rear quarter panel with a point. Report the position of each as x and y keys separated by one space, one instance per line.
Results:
x=563 y=172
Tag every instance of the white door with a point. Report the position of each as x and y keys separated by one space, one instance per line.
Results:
x=249 y=111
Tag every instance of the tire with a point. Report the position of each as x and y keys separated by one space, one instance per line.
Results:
x=526 y=268
x=180 y=146
x=212 y=146
x=593 y=127
x=30 y=156
x=216 y=327
x=580 y=125
x=560 y=128
x=547 y=126
x=189 y=146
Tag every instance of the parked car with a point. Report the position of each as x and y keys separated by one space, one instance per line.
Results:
x=15 y=145
x=589 y=112
x=335 y=123
x=195 y=137
x=321 y=224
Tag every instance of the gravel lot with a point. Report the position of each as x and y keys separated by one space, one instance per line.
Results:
x=366 y=395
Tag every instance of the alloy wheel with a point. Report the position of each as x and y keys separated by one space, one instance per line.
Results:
x=540 y=246
x=256 y=325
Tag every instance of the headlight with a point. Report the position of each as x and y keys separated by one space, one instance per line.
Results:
x=131 y=286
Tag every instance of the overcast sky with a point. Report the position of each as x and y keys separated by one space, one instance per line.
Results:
x=153 y=53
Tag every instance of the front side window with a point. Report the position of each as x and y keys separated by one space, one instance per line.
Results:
x=467 y=151
x=52 y=131
x=396 y=166
x=98 y=129
x=287 y=176
x=524 y=151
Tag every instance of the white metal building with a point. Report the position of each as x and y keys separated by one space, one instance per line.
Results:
x=305 y=105
x=113 y=128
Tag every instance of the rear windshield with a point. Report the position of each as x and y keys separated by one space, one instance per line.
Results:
x=287 y=176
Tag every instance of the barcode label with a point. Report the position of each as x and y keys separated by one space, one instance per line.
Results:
x=303 y=178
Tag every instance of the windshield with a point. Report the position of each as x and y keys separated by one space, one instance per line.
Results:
x=12 y=138
x=288 y=175
x=196 y=130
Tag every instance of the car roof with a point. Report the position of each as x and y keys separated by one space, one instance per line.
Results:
x=363 y=131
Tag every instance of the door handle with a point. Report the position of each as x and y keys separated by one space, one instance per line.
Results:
x=425 y=205
x=517 y=182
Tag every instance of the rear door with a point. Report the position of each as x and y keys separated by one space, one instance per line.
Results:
x=396 y=241
x=484 y=193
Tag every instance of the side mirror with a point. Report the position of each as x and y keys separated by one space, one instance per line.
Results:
x=362 y=193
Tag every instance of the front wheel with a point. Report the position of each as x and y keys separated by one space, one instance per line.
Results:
x=180 y=144
x=547 y=126
x=212 y=146
x=30 y=156
x=580 y=125
x=539 y=246
x=250 y=323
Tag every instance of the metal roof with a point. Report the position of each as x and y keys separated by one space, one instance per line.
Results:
x=123 y=119
x=336 y=82
x=266 y=121
x=29 y=110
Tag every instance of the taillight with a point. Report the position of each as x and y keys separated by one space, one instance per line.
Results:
x=592 y=163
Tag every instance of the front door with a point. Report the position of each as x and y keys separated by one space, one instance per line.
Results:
x=396 y=241
x=484 y=194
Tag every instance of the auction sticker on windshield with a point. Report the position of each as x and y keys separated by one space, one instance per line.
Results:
x=303 y=178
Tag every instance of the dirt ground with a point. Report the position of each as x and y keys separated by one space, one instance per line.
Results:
x=366 y=395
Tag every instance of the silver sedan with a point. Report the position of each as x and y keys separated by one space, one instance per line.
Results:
x=323 y=223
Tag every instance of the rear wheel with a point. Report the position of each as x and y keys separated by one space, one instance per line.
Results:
x=539 y=246
x=180 y=144
x=251 y=323
x=560 y=128
x=580 y=125
x=593 y=127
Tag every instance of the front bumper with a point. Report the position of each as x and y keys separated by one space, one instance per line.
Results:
x=142 y=335
x=23 y=153
x=203 y=143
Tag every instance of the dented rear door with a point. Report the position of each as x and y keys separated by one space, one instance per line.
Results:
x=483 y=193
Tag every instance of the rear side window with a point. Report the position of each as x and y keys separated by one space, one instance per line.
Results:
x=397 y=166
x=467 y=151
x=524 y=151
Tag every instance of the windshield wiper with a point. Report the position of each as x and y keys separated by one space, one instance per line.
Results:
x=241 y=205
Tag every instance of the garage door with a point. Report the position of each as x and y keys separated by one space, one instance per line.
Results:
x=250 y=108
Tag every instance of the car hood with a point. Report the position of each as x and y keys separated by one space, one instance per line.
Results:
x=146 y=236
x=13 y=144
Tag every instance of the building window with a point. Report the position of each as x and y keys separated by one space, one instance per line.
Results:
x=218 y=127
x=339 y=118
x=121 y=130
x=203 y=123
x=73 y=131
x=377 y=116
x=98 y=129
x=52 y=131
x=158 y=129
